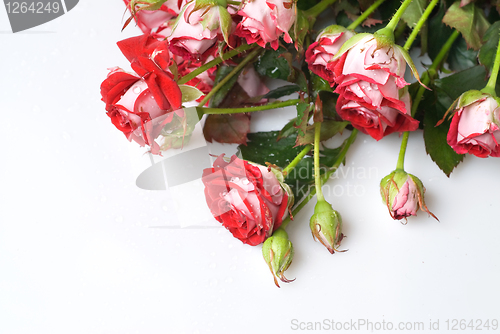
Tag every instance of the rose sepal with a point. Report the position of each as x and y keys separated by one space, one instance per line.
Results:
x=278 y=252
x=350 y=43
x=326 y=226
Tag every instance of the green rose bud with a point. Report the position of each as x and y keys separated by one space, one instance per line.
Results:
x=278 y=254
x=403 y=194
x=326 y=226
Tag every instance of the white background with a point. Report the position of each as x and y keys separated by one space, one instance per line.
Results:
x=81 y=250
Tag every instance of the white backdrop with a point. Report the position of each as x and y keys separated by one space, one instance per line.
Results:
x=83 y=250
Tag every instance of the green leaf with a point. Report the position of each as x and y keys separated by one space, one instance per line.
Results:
x=460 y=58
x=488 y=50
x=436 y=103
x=227 y=128
x=303 y=110
x=263 y=147
x=190 y=93
x=435 y=137
x=218 y=97
x=414 y=11
x=329 y=100
x=329 y=128
x=225 y=22
x=306 y=4
x=282 y=91
x=319 y=84
x=470 y=21
x=273 y=64
x=300 y=30
x=438 y=32
x=458 y=83
x=288 y=130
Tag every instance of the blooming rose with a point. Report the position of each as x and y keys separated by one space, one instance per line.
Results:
x=150 y=20
x=403 y=194
x=264 y=21
x=370 y=82
x=196 y=31
x=475 y=128
x=320 y=53
x=247 y=199
x=141 y=105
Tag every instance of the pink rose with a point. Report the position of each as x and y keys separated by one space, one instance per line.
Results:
x=370 y=87
x=403 y=194
x=320 y=53
x=475 y=128
x=264 y=21
x=247 y=199
x=195 y=34
x=141 y=105
x=150 y=20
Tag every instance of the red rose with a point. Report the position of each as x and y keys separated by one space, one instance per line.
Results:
x=247 y=199
x=151 y=20
x=264 y=21
x=370 y=87
x=141 y=105
x=319 y=54
x=196 y=31
x=475 y=127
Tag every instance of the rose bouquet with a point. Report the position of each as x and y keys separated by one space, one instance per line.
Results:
x=349 y=74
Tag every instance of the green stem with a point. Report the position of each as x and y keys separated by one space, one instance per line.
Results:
x=492 y=82
x=317 y=176
x=325 y=177
x=213 y=63
x=431 y=72
x=228 y=77
x=402 y=151
x=395 y=19
x=365 y=14
x=220 y=111
x=420 y=24
x=297 y=159
x=317 y=9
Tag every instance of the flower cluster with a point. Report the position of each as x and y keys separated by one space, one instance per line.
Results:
x=220 y=54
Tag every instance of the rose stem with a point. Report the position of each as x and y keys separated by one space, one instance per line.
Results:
x=325 y=177
x=317 y=9
x=431 y=72
x=297 y=159
x=420 y=24
x=231 y=74
x=214 y=62
x=365 y=14
x=492 y=82
x=317 y=176
x=219 y=111
x=395 y=19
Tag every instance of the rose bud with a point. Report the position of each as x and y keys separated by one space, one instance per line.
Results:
x=370 y=87
x=475 y=125
x=278 y=254
x=319 y=55
x=197 y=28
x=403 y=194
x=249 y=200
x=264 y=21
x=326 y=226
